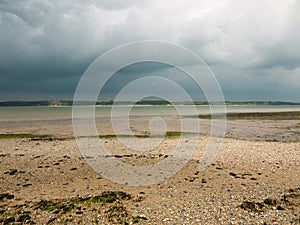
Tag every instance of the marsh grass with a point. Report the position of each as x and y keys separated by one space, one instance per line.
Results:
x=52 y=206
x=255 y=116
x=124 y=136
x=23 y=135
x=167 y=134
x=175 y=133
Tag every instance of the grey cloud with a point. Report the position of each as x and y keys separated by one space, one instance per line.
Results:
x=247 y=43
x=247 y=34
x=284 y=51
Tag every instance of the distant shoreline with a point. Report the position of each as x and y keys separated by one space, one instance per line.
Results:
x=142 y=103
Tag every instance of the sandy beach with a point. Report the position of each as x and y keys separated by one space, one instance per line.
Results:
x=149 y=112
x=254 y=179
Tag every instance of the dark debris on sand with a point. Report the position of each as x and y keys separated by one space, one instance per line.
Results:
x=289 y=200
x=112 y=205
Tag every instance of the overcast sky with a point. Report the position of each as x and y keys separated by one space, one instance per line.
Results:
x=252 y=46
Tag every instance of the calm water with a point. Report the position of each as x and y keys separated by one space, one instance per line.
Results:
x=61 y=113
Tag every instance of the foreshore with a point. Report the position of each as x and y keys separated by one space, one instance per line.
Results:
x=254 y=179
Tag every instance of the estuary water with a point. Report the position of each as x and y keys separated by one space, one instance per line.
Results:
x=46 y=113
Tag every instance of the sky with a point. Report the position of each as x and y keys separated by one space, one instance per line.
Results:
x=251 y=46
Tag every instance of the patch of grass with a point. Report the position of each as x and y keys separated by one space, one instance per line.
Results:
x=24 y=135
x=175 y=133
x=142 y=135
x=106 y=198
x=108 y=136
x=54 y=206
x=136 y=219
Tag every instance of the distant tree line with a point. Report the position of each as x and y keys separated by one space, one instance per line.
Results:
x=142 y=102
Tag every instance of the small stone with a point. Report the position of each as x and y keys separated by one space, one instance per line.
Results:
x=233 y=174
x=279 y=207
x=270 y=201
x=12 y=172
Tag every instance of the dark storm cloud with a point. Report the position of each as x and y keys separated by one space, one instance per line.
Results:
x=145 y=69
x=252 y=46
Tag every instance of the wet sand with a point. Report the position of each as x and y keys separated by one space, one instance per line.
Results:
x=274 y=126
